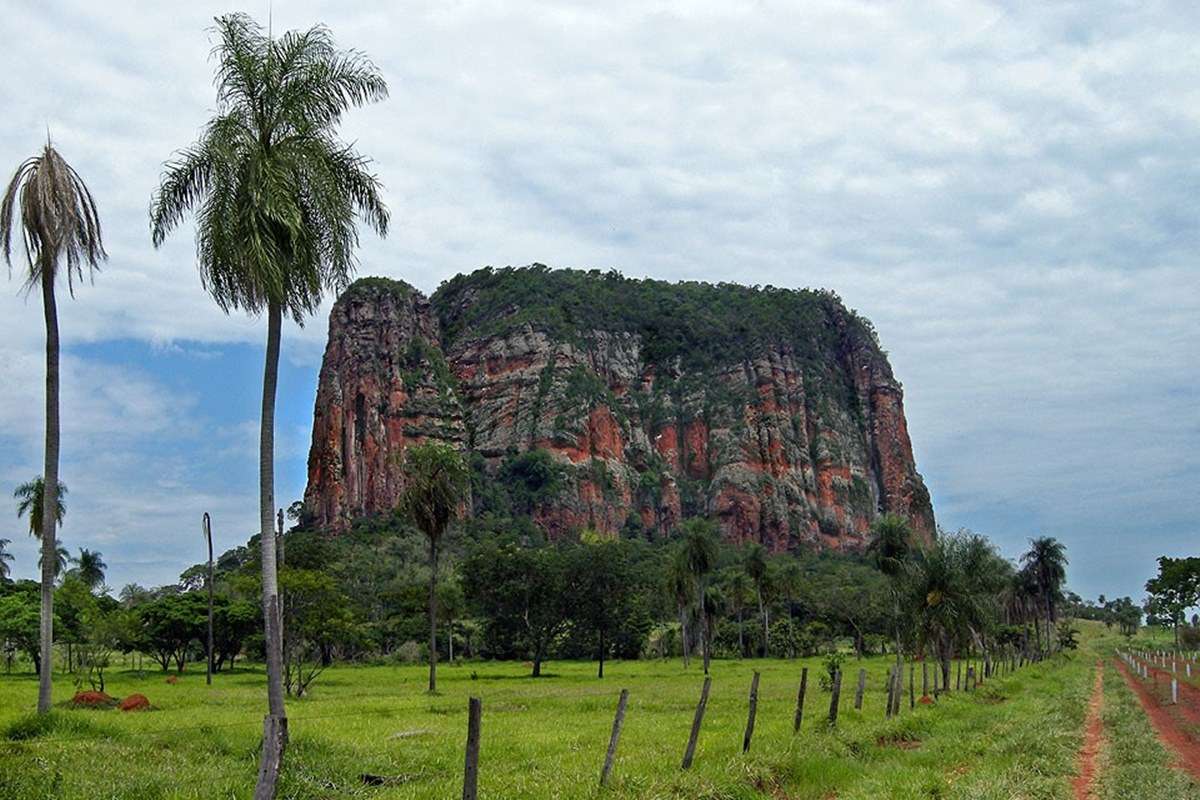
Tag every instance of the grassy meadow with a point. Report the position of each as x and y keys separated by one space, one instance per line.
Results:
x=1017 y=736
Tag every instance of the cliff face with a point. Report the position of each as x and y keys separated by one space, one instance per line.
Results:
x=589 y=400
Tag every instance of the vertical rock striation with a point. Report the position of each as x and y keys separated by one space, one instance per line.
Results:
x=590 y=400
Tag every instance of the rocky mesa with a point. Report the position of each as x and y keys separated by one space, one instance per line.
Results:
x=592 y=400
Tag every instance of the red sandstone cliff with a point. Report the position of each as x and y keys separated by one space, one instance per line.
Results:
x=792 y=442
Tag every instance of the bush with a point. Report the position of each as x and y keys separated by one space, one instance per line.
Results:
x=409 y=653
x=1189 y=637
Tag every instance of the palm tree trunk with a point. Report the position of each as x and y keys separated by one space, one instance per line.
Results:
x=683 y=635
x=433 y=559
x=762 y=615
x=266 y=510
x=703 y=623
x=49 y=488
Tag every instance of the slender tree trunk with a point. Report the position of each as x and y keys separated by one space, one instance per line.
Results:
x=600 y=672
x=741 y=640
x=49 y=488
x=683 y=636
x=703 y=623
x=762 y=615
x=433 y=559
x=266 y=508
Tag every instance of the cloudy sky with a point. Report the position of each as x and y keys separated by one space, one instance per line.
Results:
x=1006 y=189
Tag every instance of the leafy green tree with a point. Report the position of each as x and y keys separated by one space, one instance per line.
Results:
x=699 y=545
x=755 y=563
x=522 y=594
x=60 y=226
x=29 y=503
x=1175 y=588
x=318 y=618
x=436 y=482
x=233 y=622
x=20 y=625
x=276 y=197
x=1046 y=560
x=604 y=592
x=171 y=623
x=90 y=567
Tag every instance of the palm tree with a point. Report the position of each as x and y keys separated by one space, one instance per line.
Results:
x=5 y=557
x=755 y=563
x=29 y=501
x=737 y=587
x=60 y=226
x=276 y=197
x=891 y=551
x=436 y=480
x=90 y=567
x=58 y=560
x=1046 y=560
x=679 y=586
x=700 y=554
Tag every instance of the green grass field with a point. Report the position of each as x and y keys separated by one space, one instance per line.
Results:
x=1017 y=736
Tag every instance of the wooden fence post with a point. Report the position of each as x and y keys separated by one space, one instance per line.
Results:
x=752 y=712
x=471 y=768
x=618 y=721
x=275 y=731
x=970 y=678
x=834 y=697
x=912 y=692
x=862 y=686
x=690 y=752
x=891 y=690
x=924 y=679
x=958 y=677
x=800 y=700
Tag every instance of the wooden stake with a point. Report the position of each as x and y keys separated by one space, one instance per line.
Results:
x=691 y=745
x=862 y=686
x=912 y=694
x=618 y=721
x=924 y=679
x=800 y=700
x=836 y=695
x=891 y=689
x=753 y=711
x=471 y=767
x=274 y=740
x=958 y=677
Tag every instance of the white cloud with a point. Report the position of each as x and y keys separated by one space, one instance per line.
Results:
x=1006 y=190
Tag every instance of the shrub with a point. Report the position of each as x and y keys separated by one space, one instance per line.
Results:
x=409 y=653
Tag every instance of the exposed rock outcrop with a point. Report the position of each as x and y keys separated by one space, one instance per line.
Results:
x=590 y=400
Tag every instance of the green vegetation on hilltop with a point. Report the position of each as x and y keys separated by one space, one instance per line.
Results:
x=700 y=324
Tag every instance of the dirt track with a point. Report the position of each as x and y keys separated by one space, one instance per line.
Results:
x=1093 y=740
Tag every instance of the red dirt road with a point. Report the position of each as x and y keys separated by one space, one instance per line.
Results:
x=1093 y=740
x=1171 y=731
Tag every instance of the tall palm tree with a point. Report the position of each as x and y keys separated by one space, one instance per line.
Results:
x=58 y=560
x=60 y=226
x=737 y=585
x=29 y=497
x=700 y=553
x=755 y=564
x=5 y=557
x=891 y=550
x=679 y=586
x=276 y=197
x=1046 y=560
x=436 y=480
x=90 y=567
